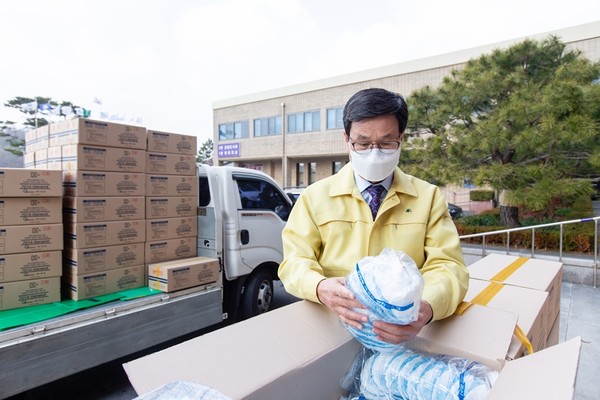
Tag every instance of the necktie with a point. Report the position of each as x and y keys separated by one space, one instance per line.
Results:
x=375 y=192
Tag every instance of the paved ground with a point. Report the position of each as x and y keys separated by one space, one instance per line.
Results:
x=596 y=207
x=580 y=316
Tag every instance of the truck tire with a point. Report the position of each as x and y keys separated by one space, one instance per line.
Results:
x=258 y=294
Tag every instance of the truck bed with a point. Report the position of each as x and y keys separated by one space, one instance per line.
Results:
x=36 y=354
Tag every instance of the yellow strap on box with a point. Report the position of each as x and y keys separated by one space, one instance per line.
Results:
x=483 y=298
x=509 y=269
x=523 y=338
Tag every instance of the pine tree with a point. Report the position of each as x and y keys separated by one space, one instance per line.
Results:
x=205 y=152
x=524 y=120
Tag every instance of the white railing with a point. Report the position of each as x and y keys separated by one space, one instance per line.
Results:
x=533 y=228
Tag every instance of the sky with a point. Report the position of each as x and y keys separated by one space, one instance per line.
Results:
x=162 y=63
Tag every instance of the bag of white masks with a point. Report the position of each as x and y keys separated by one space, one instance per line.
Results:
x=390 y=286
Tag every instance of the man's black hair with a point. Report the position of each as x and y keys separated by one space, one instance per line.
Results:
x=375 y=102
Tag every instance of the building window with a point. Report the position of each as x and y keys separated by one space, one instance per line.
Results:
x=267 y=126
x=312 y=172
x=234 y=130
x=300 y=174
x=335 y=167
x=309 y=121
x=335 y=118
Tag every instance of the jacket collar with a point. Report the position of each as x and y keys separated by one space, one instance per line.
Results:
x=343 y=183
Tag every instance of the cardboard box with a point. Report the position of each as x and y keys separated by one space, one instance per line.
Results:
x=43 y=137
x=31 y=140
x=21 y=182
x=100 y=158
x=170 y=249
x=98 y=234
x=310 y=351
x=80 y=287
x=24 y=266
x=29 y=160
x=528 y=304
x=29 y=293
x=549 y=374
x=164 y=142
x=30 y=238
x=30 y=210
x=54 y=160
x=554 y=335
x=171 y=185
x=170 y=276
x=171 y=228
x=86 y=261
x=100 y=133
x=90 y=183
x=171 y=207
x=36 y=139
x=97 y=209
x=170 y=164
x=41 y=158
x=525 y=272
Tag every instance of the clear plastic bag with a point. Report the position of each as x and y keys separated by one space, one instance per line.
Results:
x=415 y=375
x=390 y=286
x=182 y=390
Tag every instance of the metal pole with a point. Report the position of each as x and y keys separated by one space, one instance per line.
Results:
x=560 y=247
x=283 y=155
x=483 y=246
x=595 y=250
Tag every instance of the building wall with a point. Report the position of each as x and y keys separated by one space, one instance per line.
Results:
x=280 y=154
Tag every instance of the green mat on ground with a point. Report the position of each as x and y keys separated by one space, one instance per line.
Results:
x=29 y=315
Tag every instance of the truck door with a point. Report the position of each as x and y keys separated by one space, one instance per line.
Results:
x=263 y=211
x=210 y=231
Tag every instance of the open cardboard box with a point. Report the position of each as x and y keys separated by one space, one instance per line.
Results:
x=301 y=351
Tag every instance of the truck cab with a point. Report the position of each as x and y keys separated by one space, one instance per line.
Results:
x=241 y=213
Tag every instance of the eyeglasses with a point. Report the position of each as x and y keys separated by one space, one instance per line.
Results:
x=366 y=147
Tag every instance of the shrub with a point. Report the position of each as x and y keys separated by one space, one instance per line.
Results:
x=577 y=238
x=487 y=219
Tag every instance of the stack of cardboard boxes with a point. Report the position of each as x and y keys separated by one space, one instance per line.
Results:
x=171 y=204
x=31 y=237
x=129 y=206
x=103 y=176
x=527 y=287
x=36 y=148
x=171 y=197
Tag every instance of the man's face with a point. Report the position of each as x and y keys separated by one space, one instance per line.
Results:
x=374 y=130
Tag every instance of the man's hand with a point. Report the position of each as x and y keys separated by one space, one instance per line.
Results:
x=334 y=294
x=396 y=334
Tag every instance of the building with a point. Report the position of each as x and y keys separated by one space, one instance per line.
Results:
x=295 y=133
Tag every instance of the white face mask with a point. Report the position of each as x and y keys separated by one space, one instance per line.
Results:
x=374 y=166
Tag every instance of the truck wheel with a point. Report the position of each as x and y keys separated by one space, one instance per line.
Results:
x=258 y=294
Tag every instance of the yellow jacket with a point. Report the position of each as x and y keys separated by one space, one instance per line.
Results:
x=330 y=228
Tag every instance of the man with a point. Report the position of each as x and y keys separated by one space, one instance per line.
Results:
x=332 y=226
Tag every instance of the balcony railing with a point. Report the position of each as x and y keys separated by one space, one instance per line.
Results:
x=533 y=228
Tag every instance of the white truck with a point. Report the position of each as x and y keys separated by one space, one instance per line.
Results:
x=241 y=213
